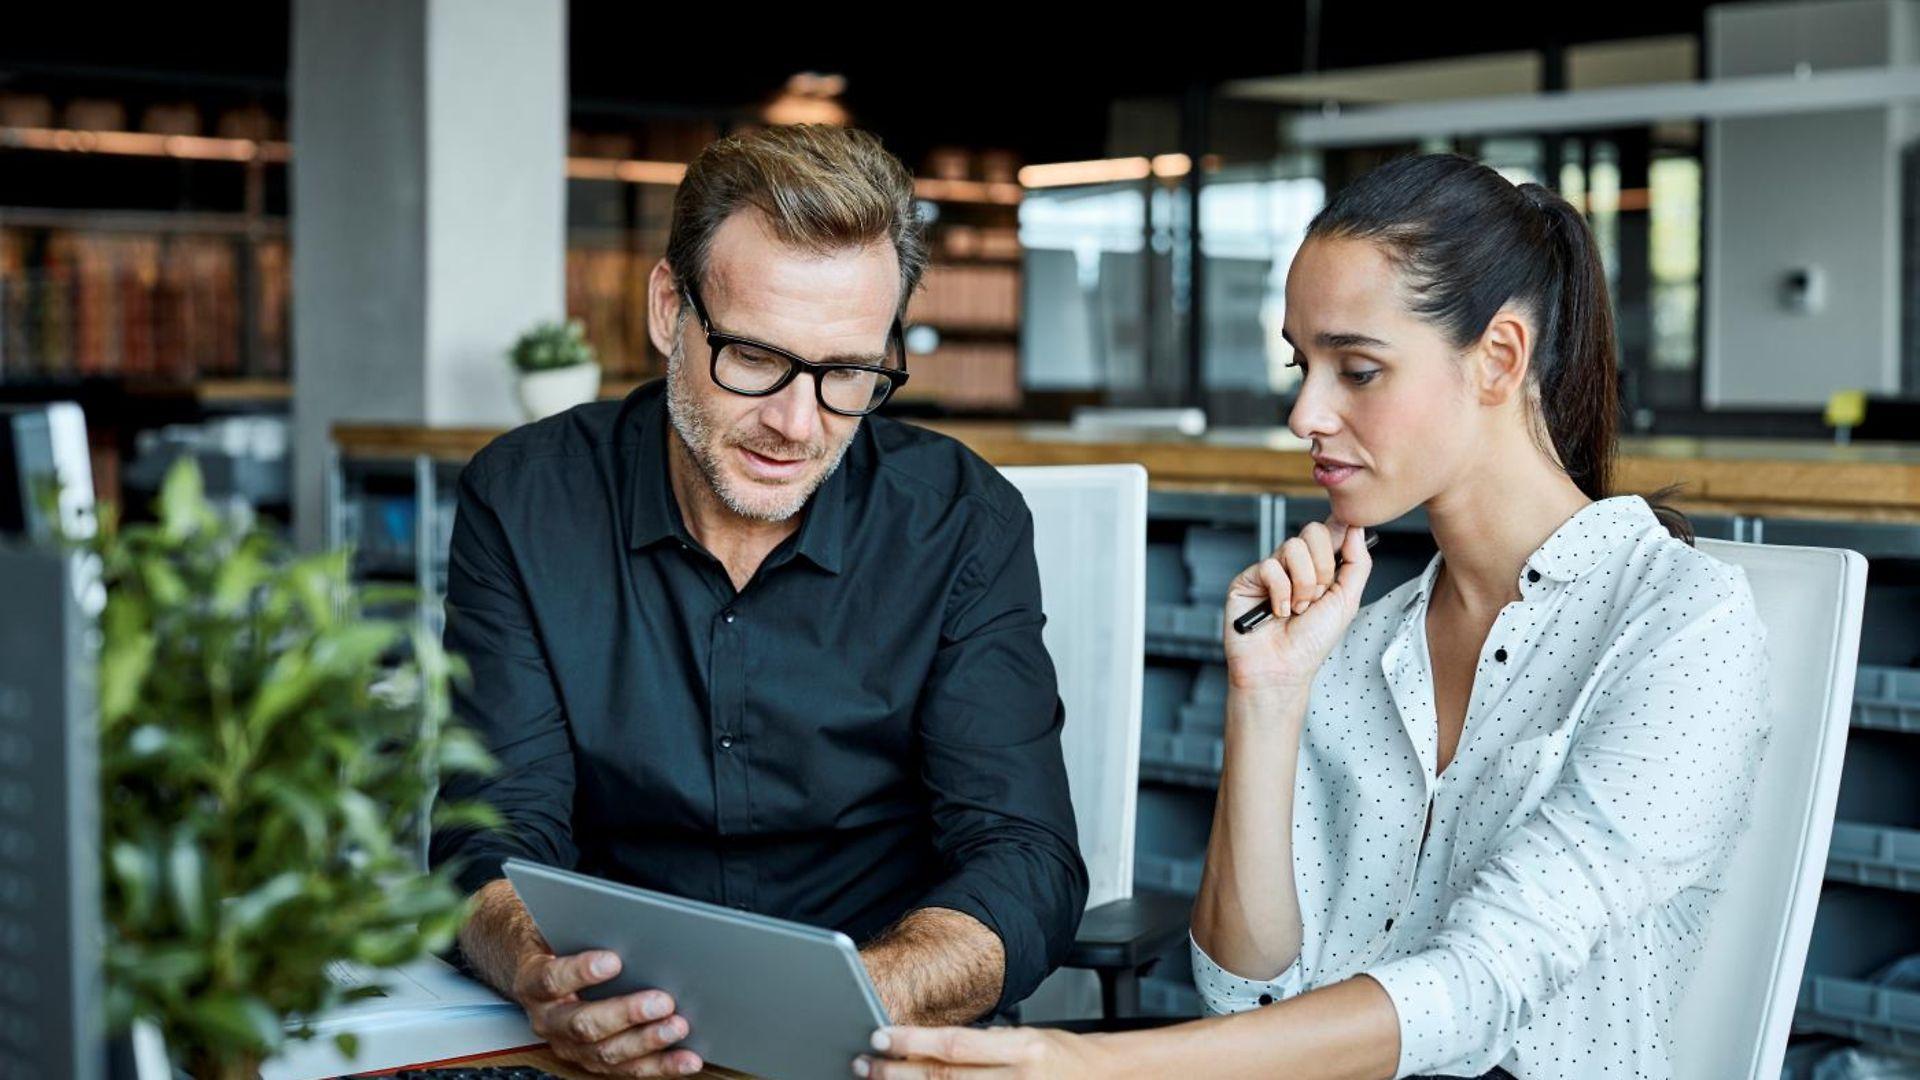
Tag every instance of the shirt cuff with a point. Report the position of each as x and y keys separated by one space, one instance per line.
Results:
x=1224 y=992
x=1427 y=1028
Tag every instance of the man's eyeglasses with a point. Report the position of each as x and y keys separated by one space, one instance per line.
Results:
x=756 y=369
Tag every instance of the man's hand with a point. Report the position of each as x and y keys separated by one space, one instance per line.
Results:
x=622 y=1036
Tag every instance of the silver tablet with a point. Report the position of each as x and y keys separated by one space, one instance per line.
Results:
x=779 y=999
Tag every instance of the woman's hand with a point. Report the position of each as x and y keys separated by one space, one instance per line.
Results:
x=911 y=1053
x=1313 y=604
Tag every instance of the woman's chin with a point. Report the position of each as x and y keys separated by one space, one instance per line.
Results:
x=1366 y=511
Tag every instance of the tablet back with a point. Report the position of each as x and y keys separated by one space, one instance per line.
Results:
x=762 y=995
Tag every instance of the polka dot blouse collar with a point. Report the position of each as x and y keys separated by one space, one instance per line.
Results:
x=1580 y=544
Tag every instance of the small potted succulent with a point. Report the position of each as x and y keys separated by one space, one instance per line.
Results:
x=557 y=368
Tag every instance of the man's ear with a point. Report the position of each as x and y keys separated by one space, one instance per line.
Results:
x=1501 y=358
x=663 y=308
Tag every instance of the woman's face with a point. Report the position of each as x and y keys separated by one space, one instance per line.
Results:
x=1383 y=397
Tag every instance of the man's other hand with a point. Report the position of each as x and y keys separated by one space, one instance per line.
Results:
x=629 y=1035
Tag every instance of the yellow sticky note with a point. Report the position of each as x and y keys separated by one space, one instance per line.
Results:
x=1847 y=408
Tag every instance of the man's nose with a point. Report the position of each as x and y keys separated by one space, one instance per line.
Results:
x=794 y=412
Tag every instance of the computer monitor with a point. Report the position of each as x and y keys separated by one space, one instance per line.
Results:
x=43 y=452
x=50 y=919
x=50 y=925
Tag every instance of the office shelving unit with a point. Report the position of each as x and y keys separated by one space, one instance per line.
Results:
x=186 y=298
x=1196 y=542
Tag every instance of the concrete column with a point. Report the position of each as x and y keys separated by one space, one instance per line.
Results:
x=428 y=211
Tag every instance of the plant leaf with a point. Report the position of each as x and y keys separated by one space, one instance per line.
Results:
x=186 y=883
x=183 y=500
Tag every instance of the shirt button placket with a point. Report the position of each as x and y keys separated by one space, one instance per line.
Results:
x=731 y=777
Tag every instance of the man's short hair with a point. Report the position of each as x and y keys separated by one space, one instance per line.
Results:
x=820 y=187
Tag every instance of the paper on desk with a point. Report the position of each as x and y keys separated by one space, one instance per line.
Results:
x=427 y=1012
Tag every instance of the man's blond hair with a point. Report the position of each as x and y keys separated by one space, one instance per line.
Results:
x=819 y=187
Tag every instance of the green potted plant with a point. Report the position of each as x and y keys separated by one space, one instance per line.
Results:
x=266 y=750
x=557 y=368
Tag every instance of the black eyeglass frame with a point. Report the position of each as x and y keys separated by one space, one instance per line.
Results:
x=718 y=340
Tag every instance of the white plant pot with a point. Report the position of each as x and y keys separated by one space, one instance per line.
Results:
x=544 y=393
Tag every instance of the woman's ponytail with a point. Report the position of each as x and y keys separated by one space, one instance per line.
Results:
x=1576 y=358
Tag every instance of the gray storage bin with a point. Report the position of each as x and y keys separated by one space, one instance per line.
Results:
x=1166 y=574
x=1170 y=839
x=1887 y=698
x=1188 y=632
x=1168 y=873
x=1877 y=855
x=1163 y=692
x=1214 y=556
x=1164 y=996
x=1861 y=1010
x=1205 y=711
x=1858 y=933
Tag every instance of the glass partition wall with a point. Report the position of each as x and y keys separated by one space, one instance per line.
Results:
x=1109 y=297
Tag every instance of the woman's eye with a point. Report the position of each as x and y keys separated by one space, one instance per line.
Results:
x=1361 y=378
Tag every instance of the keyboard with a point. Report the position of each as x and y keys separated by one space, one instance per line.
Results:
x=477 y=1073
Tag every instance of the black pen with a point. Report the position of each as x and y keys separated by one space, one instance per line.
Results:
x=1245 y=623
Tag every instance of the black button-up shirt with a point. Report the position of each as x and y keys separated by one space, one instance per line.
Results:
x=869 y=727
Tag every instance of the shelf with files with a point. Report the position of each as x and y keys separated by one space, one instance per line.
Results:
x=1887 y=698
x=1856 y=985
x=396 y=513
x=1878 y=855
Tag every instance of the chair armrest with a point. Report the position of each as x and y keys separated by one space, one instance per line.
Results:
x=1126 y=934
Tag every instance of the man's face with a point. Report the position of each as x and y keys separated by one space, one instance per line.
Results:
x=765 y=456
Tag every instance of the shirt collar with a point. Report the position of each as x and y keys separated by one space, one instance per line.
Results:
x=1584 y=540
x=653 y=515
x=1576 y=547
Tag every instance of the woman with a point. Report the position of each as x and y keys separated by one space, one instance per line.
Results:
x=1474 y=829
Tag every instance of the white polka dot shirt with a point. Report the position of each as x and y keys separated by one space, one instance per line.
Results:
x=1554 y=915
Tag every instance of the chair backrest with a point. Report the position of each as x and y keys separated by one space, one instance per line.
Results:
x=1735 y=1018
x=1090 y=537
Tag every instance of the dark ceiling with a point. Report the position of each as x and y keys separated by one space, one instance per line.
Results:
x=987 y=81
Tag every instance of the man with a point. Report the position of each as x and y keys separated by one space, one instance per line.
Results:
x=735 y=639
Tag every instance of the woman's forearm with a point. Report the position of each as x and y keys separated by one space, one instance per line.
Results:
x=1247 y=915
x=1347 y=1031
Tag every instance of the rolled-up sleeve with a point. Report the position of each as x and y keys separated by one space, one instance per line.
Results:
x=989 y=724
x=509 y=701
x=1650 y=801
x=1221 y=991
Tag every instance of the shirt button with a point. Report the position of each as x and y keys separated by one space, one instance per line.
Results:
x=726 y=742
x=727 y=615
x=1533 y=575
x=1266 y=999
x=1500 y=655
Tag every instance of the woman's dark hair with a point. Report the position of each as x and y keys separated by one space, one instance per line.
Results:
x=1468 y=241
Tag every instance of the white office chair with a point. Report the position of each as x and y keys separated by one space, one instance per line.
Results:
x=1735 y=1019
x=1090 y=538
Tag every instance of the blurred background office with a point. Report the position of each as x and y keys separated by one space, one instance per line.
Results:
x=234 y=232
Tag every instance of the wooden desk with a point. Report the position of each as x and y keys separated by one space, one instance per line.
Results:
x=1877 y=482
x=544 y=1059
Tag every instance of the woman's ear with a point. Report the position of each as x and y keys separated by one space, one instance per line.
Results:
x=1502 y=357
